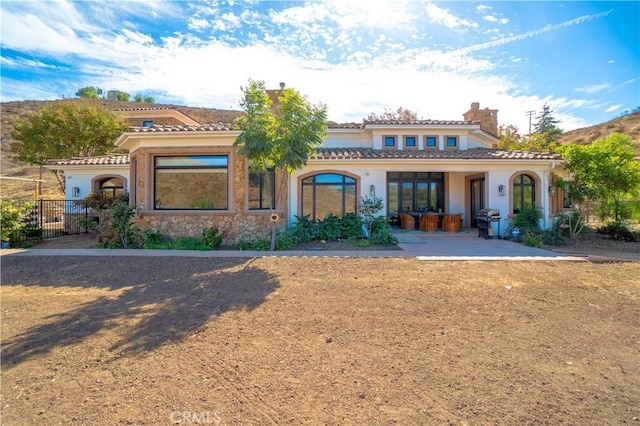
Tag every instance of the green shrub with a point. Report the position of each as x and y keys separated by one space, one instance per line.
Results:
x=552 y=237
x=381 y=232
x=212 y=237
x=123 y=227
x=531 y=240
x=285 y=239
x=527 y=220
x=304 y=230
x=154 y=239
x=11 y=220
x=261 y=244
x=330 y=228
x=619 y=231
x=351 y=226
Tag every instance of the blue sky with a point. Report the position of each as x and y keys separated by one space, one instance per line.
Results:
x=358 y=57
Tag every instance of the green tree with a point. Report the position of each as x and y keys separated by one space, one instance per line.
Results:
x=141 y=98
x=401 y=114
x=280 y=137
x=606 y=171
x=89 y=92
x=63 y=130
x=510 y=137
x=123 y=96
x=547 y=125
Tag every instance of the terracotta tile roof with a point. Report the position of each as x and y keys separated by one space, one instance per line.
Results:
x=345 y=125
x=216 y=127
x=146 y=109
x=103 y=160
x=352 y=154
x=420 y=122
x=469 y=154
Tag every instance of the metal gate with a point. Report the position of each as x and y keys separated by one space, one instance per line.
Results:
x=54 y=218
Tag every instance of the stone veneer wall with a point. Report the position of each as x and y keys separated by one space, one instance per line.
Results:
x=238 y=224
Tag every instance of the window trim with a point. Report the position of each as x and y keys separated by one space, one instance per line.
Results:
x=446 y=143
x=344 y=173
x=384 y=142
x=409 y=147
x=96 y=182
x=435 y=140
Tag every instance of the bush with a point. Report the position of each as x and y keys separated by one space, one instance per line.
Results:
x=212 y=237
x=351 y=226
x=304 y=230
x=330 y=228
x=154 y=239
x=12 y=220
x=527 y=220
x=261 y=244
x=531 y=240
x=381 y=232
x=285 y=239
x=552 y=237
x=619 y=231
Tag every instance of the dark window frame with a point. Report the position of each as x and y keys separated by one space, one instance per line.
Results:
x=311 y=183
x=392 y=138
x=518 y=187
x=261 y=189
x=435 y=142
x=208 y=167
x=415 y=142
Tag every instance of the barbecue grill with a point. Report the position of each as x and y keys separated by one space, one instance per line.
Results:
x=484 y=219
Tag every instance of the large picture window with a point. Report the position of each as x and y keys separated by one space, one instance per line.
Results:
x=191 y=182
x=524 y=192
x=328 y=193
x=262 y=190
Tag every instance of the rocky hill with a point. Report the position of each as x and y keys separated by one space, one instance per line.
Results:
x=627 y=124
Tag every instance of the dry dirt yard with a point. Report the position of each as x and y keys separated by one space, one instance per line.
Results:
x=149 y=340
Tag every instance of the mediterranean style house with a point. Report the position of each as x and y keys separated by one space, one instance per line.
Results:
x=185 y=176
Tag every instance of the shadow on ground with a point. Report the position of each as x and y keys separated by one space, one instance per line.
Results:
x=156 y=300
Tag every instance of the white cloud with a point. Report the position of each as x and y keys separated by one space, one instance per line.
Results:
x=483 y=8
x=613 y=108
x=446 y=18
x=490 y=18
x=594 y=88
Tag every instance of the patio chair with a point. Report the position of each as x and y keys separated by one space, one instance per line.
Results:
x=407 y=221
x=429 y=223
x=451 y=222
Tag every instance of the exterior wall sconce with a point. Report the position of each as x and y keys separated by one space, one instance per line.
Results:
x=552 y=190
x=372 y=190
x=75 y=191
x=502 y=190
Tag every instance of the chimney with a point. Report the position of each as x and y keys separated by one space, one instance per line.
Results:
x=487 y=118
x=274 y=94
x=282 y=86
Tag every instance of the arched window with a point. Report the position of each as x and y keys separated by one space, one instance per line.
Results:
x=111 y=187
x=328 y=193
x=524 y=192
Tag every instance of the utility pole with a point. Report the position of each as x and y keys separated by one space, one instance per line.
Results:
x=529 y=113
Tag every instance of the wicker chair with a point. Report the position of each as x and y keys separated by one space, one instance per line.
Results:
x=451 y=222
x=429 y=223
x=407 y=221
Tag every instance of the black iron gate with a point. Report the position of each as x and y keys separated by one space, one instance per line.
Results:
x=54 y=218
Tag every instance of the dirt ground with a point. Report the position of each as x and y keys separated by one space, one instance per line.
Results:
x=124 y=340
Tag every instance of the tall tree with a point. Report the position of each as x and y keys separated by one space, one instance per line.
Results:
x=89 y=92
x=547 y=125
x=401 y=114
x=63 y=130
x=605 y=170
x=280 y=138
x=123 y=96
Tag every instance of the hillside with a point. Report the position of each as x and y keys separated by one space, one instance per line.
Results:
x=628 y=124
x=11 y=111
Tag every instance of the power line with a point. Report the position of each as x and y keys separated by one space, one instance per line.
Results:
x=530 y=114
